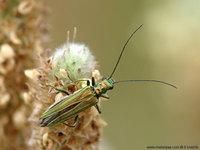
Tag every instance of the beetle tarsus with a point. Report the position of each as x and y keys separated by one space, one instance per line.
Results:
x=98 y=109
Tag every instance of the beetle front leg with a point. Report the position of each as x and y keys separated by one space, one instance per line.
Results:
x=61 y=90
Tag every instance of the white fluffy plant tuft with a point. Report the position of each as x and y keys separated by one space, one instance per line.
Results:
x=72 y=61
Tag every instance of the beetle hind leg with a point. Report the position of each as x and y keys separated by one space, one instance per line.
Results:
x=68 y=125
x=76 y=118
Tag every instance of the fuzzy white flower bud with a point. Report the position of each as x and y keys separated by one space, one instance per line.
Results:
x=75 y=59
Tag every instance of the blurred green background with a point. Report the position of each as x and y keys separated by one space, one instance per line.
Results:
x=166 y=48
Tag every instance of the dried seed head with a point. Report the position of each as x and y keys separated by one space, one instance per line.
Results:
x=21 y=25
x=69 y=63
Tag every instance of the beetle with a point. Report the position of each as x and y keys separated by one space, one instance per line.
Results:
x=71 y=105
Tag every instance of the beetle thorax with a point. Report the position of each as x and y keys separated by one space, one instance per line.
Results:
x=104 y=85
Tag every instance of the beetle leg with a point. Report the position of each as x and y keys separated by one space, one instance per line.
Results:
x=93 y=81
x=69 y=76
x=98 y=109
x=71 y=126
x=76 y=118
x=88 y=82
x=105 y=96
x=61 y=90
x=75 y=122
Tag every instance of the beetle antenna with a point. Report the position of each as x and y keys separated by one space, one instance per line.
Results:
x=169 y=84
x=123 y=50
